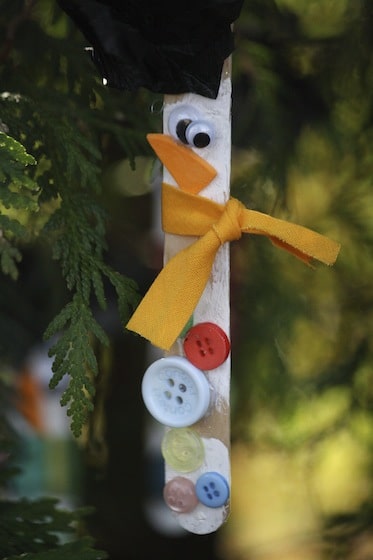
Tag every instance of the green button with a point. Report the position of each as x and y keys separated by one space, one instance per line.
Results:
x=182 y=449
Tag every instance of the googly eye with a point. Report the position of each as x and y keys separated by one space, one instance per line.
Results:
x=180 y=118
x=199 y=134
x=186 y=125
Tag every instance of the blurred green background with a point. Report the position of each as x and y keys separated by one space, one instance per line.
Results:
x=302 y=352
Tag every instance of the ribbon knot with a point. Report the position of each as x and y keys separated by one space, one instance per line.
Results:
x=228 y=227
x=174 y=294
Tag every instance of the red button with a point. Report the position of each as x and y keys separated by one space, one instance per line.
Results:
x=206 y=346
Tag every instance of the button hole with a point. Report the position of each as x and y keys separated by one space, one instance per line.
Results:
x=202 y=353
x=171 y=382
x=179 y=400
x=167 y=394
x=199 y=343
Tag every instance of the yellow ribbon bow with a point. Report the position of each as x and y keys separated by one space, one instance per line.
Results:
x=174 y=294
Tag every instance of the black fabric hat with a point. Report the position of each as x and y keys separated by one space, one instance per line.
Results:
x=166 y=46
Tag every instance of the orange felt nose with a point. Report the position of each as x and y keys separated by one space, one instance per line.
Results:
x=191 y=172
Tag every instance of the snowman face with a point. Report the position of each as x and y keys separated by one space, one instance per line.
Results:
x=203 y=127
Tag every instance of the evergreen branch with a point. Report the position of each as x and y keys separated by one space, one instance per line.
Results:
x=16 y=186
x=68 y=147
x=11 y=226
x=78 y=229
x=74 y=356
x=30 y=529
x=17 y=192
x=73 y=352
x=33 y=528
x=77 y=153
x=9 y=256
x=81 y=549
x=126 y=290
x=34 y=523
x=14 y=152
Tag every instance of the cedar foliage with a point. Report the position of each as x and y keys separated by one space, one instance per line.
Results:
x=58 y=128
x=56 y=118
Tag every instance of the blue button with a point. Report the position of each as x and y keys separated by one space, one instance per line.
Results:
x=212 y=489
x=175 y=392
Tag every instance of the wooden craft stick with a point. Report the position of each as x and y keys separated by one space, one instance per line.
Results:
x=214 y=427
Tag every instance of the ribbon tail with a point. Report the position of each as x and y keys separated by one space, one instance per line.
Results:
x=171 y=299
x=318 y=247
x=326 y=253
x=303 y=243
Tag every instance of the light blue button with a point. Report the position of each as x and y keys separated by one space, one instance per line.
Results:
x=175 y=392
x=212 y=489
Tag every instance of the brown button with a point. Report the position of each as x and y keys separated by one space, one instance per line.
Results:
x=179 y=494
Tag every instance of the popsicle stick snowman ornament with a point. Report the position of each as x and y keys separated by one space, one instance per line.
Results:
x=184 y=52
x=188 y=390
x=197 y=437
